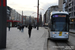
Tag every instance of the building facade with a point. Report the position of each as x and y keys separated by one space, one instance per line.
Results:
x=64 y=5
x=54 y=8
x=13 y=17
x=70 y=8
x=24 y=20
x=40 y=19
x=8 y=13
x=60 y=5
x=44 y=19
x=30 y=20
x=47 y=13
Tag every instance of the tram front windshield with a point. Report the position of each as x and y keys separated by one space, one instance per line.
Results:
x=59 y=23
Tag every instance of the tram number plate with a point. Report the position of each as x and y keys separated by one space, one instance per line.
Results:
x=60 y=33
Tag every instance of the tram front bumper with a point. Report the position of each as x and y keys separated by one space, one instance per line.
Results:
x=59 y=35
x=59 y=38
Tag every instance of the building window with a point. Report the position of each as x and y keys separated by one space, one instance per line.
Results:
x=69 y=9
x=72 y=3
x=74 y=7
x=72 y=20
x=74 y=13
x=66 y=9
x=70 y=14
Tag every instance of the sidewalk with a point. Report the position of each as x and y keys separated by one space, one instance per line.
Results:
x=17 y=40
x=73 y=31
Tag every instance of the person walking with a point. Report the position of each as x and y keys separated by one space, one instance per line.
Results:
x=9 y=27
x=22 y=28
x=19 y=27
x=29 y=30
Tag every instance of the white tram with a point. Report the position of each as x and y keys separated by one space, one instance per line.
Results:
x=59 y=25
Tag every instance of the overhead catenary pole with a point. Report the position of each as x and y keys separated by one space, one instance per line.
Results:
x=3 y=19
x=38 y=15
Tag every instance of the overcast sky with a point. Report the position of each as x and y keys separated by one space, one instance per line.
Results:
x=29 y=7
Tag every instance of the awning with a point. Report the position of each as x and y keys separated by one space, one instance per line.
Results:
x=9 y=20
x=12 y=21
x=16 y=21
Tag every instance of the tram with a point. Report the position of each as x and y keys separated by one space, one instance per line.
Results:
x=59 y=25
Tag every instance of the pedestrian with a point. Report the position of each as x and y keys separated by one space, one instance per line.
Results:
x=29 y=30
x=22 y=28
x=19 y=27
x=9 y=28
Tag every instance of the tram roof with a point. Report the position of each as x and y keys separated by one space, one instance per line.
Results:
x=59 y=12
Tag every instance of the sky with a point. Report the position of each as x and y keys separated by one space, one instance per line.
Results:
x=29 y=7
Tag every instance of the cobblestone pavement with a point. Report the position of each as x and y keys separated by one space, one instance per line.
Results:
x=17 y=40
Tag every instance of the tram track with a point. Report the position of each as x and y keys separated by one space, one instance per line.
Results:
x=61 y=45
x=64 y=46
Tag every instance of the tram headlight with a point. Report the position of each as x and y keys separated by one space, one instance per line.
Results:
x=66 y=33
x=54 y=33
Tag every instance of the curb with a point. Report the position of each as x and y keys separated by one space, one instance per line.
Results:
x=72 y=32
x=45 y=45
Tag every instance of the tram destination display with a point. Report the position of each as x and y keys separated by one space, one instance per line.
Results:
x=59 y=15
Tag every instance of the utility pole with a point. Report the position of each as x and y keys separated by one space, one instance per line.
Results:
x=3 y=22
x=38 y=15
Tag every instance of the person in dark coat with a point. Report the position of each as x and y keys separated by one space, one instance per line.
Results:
x=29 y=30
x=19 y=27
x=22 y=28
x=9 y=28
